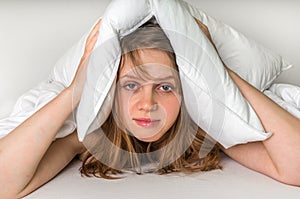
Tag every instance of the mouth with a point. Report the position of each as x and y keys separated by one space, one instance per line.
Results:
x=146 y=122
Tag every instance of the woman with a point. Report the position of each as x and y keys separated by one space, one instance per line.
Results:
x=277 y=157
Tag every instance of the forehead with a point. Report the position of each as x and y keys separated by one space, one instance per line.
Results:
x=153 y=58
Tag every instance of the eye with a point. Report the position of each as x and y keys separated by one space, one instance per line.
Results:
x=166 y=88
x=131 y=86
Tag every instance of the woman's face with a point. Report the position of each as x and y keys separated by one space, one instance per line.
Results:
x=148 y=95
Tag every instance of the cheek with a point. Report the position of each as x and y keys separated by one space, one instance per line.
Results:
x=126 y=105
x=172 y=107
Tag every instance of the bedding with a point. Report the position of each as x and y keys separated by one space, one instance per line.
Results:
x=234 y=108
x=216 y=109
x=233 y=181
x=220 y=111
x=287 y=96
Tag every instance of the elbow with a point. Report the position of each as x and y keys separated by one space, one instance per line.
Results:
x=8 y=196
x=290 y=177
x=12 y=196
x=5 y=194
x=290 y=180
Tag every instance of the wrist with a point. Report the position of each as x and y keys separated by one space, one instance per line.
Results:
x=74 y=97
x=77 y=146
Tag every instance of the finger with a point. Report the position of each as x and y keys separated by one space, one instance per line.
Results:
x=200 y=24
x=90 y=45
x=95 y=29
x=91 y=41
x=203 y=28
x=98 y=24
x=92 y=38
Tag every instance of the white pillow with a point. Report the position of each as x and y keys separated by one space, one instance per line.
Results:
x=241 y=125
x=212 y=99
x=262 y=66
x=253 y=62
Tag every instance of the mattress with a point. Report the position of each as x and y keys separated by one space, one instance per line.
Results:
x=233 y=181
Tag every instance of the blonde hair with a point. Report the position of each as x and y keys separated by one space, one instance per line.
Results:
x=152 y=36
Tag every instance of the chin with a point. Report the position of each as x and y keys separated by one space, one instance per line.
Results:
x=149 y=139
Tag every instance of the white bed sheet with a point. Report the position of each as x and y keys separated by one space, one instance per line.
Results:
x=233 y=181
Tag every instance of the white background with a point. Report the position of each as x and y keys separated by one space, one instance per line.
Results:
x=34 y=34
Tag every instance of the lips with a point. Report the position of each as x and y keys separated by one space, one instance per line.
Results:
x=146 y=122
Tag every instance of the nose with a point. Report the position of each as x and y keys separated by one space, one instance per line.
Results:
x=147 y=100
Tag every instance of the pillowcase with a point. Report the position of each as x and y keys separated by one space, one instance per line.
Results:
x=253 y=62
x=32 y=101
x=212 y=99
x=207 y=97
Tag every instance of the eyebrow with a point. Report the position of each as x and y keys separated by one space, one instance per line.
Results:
x=157 y=79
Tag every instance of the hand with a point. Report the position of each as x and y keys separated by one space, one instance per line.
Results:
x=206 y=32
x=79 y=79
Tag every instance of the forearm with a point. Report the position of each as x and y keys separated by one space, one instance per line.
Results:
x=279 y=155
x=59 y=154
x=22 y=149
x=283 y=146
